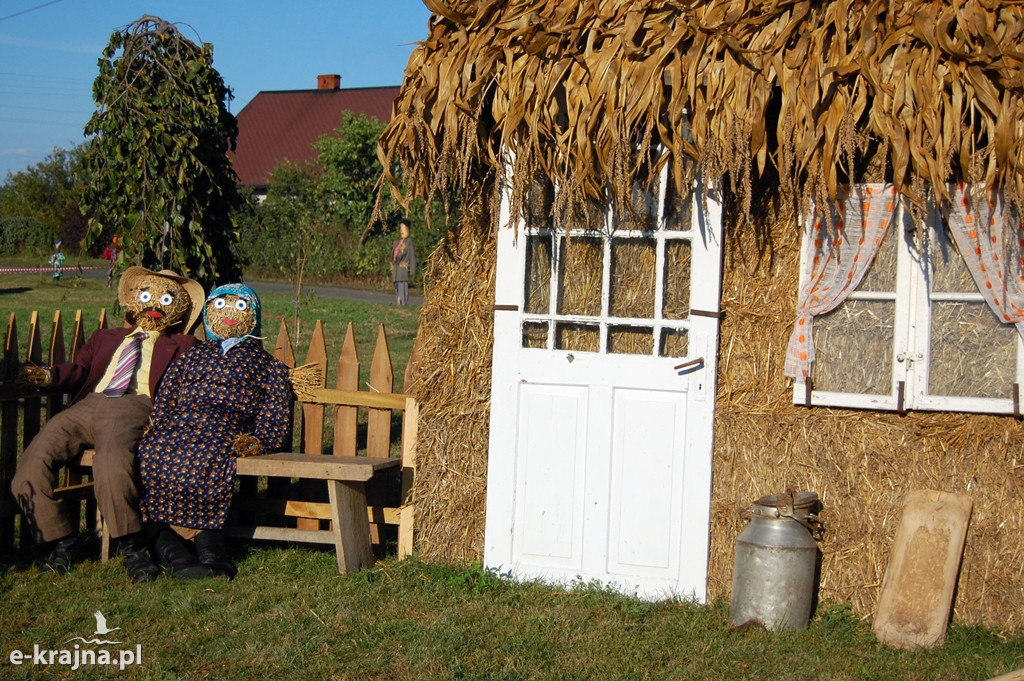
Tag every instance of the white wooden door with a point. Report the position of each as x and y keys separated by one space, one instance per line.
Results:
x=603 y=396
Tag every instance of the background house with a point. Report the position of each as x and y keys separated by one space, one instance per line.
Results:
x=283 y=125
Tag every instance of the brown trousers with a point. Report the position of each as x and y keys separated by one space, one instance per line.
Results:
x=113 y=427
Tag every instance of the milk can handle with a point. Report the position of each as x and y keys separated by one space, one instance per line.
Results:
x=809 y=520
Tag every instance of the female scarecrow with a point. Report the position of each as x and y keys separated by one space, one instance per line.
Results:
x=225 y=398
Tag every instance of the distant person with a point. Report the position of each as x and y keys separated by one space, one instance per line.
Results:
x=403 y=262
x=57 y=259
x=111 y=256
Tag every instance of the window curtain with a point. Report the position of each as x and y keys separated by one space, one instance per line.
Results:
x=838 y=259
x=992 y=250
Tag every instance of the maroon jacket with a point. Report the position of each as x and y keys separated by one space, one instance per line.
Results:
x=92 y=359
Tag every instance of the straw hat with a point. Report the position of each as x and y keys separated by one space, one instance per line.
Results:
x=196 y=294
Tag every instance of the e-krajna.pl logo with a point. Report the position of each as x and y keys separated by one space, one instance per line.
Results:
x=80 y=655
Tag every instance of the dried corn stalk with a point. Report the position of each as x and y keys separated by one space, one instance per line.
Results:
x=812 y=93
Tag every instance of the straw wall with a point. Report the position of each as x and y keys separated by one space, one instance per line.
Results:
x=452 y=382
x=862 y=464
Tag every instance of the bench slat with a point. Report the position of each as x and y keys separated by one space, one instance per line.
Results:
x=318 y=467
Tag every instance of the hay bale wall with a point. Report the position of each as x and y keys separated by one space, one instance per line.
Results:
x=861 y=463
x=452 y=382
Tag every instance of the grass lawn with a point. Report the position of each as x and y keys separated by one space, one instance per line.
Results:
x=289 y=615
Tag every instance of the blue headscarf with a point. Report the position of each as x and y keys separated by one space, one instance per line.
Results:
x=249 y=296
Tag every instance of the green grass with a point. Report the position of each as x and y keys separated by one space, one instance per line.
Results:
x=289 y=615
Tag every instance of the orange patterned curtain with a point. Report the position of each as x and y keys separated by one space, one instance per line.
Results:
x=838 y=259
x=992 y=250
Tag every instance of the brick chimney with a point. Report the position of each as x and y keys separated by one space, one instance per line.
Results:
x=329 y=81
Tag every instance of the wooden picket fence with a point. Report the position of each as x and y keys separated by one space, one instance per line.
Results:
x=21 y=416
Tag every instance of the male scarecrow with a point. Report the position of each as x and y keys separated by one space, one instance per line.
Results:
x=116 y=374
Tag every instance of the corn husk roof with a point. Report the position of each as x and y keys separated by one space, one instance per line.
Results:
x=794 y=95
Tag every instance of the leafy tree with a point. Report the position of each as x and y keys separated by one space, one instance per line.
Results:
x=348 y=158
x=41 y=203
x=157 y=167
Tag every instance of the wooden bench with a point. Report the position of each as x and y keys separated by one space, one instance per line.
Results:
x=347 y=514
x=331 y=486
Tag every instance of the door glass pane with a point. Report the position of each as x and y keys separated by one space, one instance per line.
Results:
x=641 y=214
x=676 y=301
x=535 y=335
x=633 y=278
x=853 y=348
x=678 y=207
x=630 y=340
x=579 y=337
x=673 y=343
x=538 y=274
x=539 y=201
x=580 y=276
x=973 y=355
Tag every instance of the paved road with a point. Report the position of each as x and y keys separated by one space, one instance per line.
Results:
x=332 y=292
x=278 y=287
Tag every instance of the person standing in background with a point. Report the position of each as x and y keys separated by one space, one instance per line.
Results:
x=57 y=259
x=112 y=265
x=403 y=262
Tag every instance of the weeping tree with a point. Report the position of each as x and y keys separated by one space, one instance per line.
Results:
x=156 y=165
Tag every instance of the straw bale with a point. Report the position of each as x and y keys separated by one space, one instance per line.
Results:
x=452 y=383
x=861 y=463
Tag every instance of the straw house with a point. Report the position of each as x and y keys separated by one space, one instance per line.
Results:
x=659 y=202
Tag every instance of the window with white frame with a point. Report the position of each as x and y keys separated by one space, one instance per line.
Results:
x=618 y=284
x=912 y=330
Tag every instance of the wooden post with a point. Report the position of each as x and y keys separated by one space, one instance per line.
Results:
x=55 y=403
x=313 y=414
x=278 y=487
x=382 y=379
x=346 y=418
x=406 y=521
x=313 y=425
x=8 y=438
x=410 y=368
x=34 y=405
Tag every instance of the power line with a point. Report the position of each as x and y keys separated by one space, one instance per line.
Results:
x=30 y=9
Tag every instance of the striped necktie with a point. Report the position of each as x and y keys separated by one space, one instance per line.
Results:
x=125 y=366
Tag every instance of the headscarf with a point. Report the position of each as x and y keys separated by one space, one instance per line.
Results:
x=248 y=295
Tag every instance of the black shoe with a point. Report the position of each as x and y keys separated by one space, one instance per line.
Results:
x=137 y=563
x=176 y=556
x=213 y=555
x=60 y=557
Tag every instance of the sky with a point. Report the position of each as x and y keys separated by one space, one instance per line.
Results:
x=49 y=50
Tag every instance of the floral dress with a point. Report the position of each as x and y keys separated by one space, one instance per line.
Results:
x=207 y=397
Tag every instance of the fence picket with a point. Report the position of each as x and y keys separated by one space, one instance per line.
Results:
x=8 y=438
x=382 y=380
x=346 y=418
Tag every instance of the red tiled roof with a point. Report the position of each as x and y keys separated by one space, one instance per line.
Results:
x=283 y=125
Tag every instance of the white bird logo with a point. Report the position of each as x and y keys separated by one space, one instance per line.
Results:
x=101 y=625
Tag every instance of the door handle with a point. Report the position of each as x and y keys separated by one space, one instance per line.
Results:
x=686 y=365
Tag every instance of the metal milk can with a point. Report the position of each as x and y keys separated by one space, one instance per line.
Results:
x=773 y=579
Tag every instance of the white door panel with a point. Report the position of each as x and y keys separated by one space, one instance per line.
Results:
x=553 y=439
x=600 y=458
